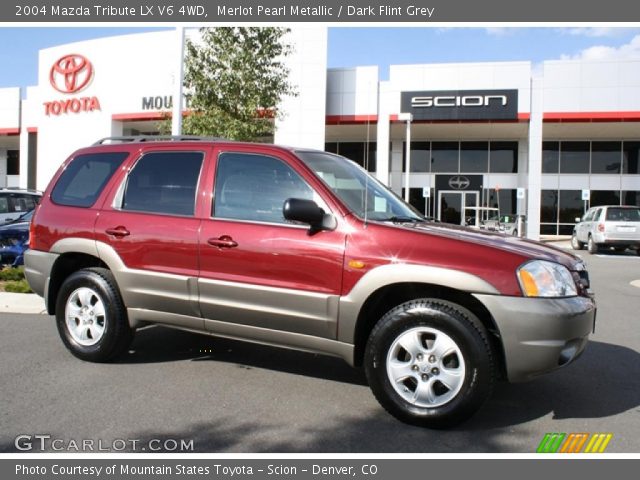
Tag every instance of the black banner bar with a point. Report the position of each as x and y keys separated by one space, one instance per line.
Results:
x=310 y=469
x=331 y=11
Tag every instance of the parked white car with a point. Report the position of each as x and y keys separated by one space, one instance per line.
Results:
x=608 y=226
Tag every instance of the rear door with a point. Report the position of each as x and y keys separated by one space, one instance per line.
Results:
x=256 y=268
x=152 y=224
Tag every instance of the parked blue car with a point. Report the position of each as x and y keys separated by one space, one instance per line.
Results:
x=14 y=240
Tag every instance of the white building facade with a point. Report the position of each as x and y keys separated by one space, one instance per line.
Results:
x=546 y=143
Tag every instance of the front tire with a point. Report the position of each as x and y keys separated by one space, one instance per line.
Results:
x=575 y=243
x=429 y=363
x=91 y=317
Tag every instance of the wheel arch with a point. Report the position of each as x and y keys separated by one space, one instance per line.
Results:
x=65 y=265
x=73 y=254
x=390 y=296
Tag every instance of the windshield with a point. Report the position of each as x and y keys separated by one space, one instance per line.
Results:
x=349 y=182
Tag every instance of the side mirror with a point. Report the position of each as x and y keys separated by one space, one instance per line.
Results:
x=308 y=211
x=578 y=219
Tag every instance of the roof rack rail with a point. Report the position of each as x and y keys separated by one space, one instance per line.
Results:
x=157 y=138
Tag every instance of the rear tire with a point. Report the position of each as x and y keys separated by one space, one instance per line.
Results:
x=592 y=246
x=429 y=363
x=91 y=317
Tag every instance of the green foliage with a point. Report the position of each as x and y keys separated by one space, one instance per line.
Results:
x=20 y=286
x=12 y=274
x=234 y=80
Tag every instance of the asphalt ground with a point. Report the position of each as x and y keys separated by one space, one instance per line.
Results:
x=228 y=396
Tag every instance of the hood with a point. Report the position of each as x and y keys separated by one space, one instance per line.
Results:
x=14 y=229
x=526 y=248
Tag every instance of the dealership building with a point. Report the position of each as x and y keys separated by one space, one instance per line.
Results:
x=545 y=142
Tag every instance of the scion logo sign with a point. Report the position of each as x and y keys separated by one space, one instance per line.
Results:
x=461 y=104
x=459 y=182
x=71 y=74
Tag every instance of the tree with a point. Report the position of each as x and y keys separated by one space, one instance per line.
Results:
x=234 y=80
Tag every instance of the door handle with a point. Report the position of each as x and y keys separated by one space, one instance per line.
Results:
x=117 y=232
x=225 y=241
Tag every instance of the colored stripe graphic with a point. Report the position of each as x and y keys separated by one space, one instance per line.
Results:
x=598 y=443
x=574 y=442
x=550 y=442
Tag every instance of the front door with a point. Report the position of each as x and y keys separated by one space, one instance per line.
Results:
x=459 y=208
x=258 y=269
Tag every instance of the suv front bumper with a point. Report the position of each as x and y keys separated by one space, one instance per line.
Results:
x=540 y=334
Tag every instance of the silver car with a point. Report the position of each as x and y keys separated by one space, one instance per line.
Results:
x=608 y=226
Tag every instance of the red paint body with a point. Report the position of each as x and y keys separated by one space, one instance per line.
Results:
x=273 y=255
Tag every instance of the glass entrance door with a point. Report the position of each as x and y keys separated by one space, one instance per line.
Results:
x=459 y=208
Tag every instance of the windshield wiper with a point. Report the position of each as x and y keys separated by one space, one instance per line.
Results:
x=401 y=219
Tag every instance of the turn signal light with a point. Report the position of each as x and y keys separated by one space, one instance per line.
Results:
x=601 y=227
x=528 y=284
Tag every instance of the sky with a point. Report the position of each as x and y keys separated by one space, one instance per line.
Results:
x=382 y=46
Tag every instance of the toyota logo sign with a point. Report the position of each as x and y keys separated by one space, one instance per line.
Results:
x=459 y=182
x=71 y=73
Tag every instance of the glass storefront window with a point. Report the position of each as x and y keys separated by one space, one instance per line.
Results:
x=550 y=157
x=631 y=154
x=444 y=157
x=508 y=201
x=571 y=205
x=13 y=162
x=631 y=198
x=606 y=157
x=503 y=157
x=420 y=154
x=574 y=157
x=356 y=151
x=549 y=206
x=474 y=157
x=604 y=197
x=416 y=199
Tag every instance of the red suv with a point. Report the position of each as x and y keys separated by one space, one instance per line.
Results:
x=300 y=249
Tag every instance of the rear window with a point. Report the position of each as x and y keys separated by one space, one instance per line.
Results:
x=83 y=180
x=623 y=214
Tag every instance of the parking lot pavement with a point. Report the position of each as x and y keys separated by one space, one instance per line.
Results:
x=230 y=396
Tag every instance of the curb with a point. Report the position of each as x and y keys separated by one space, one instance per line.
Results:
x=21 y=303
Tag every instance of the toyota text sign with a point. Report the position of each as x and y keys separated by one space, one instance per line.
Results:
x=461 y=104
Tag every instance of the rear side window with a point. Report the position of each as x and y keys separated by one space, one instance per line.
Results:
x=83 y=180
x=623 y=214
x=164 y=182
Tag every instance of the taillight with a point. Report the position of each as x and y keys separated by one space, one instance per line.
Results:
x=601 y=227
x=32 y=234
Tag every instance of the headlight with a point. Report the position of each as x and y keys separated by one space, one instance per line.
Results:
x=540 y=278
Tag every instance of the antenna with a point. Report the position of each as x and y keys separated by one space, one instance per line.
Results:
x=366 y=167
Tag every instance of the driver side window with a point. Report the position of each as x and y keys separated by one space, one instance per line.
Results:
x=253 y=187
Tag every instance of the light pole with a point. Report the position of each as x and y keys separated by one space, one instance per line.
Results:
x=407 y=117
x=176 y=119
